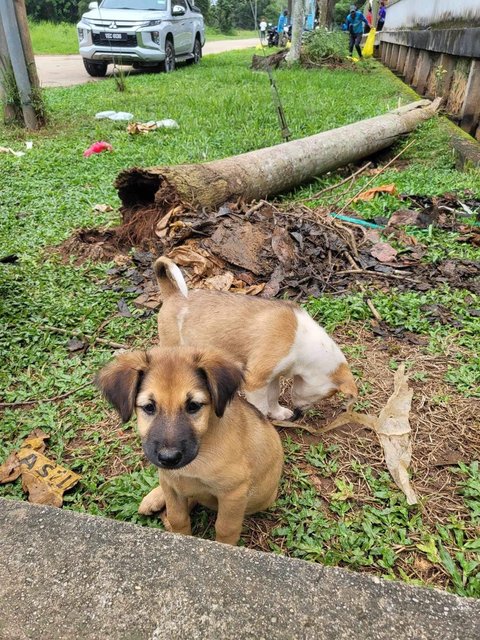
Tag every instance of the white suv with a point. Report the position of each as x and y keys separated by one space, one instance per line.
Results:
x=140 y=32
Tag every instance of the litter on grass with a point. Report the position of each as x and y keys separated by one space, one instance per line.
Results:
x=114 y=115
x=44 y=480
x=97 y=147
x=153 y=125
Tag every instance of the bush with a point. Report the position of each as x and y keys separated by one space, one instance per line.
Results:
x=322 y=44
x=53 y=10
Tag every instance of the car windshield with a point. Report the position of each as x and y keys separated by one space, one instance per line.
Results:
x=140 y=5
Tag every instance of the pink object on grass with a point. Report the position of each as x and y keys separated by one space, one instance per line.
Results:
x=97 y=147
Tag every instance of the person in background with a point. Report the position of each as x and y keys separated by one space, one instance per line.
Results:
x=282 y=23
x=382 y=12
x=263 y=29
x=369 y=16
x=355 y=21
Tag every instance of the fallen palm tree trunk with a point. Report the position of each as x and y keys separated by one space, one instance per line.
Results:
x=269 y=171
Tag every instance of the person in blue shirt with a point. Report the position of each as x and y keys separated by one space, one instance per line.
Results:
x=282 y=21
x=355 y=21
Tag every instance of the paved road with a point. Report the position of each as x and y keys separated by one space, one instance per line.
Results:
x=66 y=71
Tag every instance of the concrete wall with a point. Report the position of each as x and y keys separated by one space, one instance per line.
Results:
x=407 y=14
x=435 y=46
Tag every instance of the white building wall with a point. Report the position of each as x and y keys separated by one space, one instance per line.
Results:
x=404 y=14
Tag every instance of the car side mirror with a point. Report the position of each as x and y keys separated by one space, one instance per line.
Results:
x=178 y=10
x=93 y=5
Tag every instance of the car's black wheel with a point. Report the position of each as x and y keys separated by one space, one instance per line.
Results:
x=169 y=62
x=95 y=69
x=196 y=53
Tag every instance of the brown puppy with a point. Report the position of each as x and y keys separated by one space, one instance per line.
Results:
x=270 y=338
x=210 y=445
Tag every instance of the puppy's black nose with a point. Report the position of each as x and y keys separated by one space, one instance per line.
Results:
x=168 y=457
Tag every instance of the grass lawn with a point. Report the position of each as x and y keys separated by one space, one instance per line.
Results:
x=50 y=39
x=337 y=504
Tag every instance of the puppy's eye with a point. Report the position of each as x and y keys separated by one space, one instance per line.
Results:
x=149 y=408
x=193 y=407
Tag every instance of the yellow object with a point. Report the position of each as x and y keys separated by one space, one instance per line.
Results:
x=43 y=479
x=367 y=50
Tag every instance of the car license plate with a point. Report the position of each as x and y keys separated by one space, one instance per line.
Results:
x=115 y=36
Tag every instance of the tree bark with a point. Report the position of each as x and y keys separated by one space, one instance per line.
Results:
x=21 y=13
x=322 y=13
x=298 y=20
x=265 y=172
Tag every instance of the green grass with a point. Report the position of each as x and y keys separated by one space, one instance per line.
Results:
x=223 y=108
x=50 y=38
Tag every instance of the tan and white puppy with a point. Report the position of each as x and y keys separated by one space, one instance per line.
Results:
x=210 y=445
x=270 y=338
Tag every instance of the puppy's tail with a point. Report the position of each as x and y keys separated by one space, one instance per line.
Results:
x=169 y=277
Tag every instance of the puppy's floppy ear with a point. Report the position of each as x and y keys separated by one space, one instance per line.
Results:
x=222 y=376
x=120 y=381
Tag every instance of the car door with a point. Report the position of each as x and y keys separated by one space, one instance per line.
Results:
x=182 y=28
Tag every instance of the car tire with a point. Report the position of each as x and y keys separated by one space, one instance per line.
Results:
x=196 y=53
x=169 y=62
x=95 y=69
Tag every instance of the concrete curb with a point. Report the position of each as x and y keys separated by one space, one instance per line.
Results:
x=68 y=575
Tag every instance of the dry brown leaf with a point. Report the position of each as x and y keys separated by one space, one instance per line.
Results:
x=10 y=469
x=252 y=290
x=161 y=228
x=140 y=127
x=369 y=194
x=44 y=480
x=197 y=259
x=221 y=282
x=36 y=440
x=283 y=246
x=383 y=252
x=393 y=431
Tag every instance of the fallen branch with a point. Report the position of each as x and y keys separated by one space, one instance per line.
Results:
x=262 y=173
x=26 y=403
x=90 y=339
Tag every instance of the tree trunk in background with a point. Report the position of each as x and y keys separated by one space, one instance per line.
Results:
x=330 y=13
x=21 y=13
x=298 y=20
x=323 y=13
x=265 y=172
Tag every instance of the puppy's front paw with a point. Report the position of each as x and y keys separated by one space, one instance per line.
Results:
x=152 y=502
x=280 y=413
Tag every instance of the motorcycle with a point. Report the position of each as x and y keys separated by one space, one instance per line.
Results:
x=272 y=36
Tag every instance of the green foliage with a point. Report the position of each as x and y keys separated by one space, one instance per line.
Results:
x=223 y=14
x=54 y=10
x=321 y=44
x=342 y=9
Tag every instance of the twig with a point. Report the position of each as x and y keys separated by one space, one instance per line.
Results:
x=355 y=266
x=338 y=184
x=376 y=273
x=24 y=403
x=376 y=175
x=369 y=303
x=286 y=424
x=91 y=339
